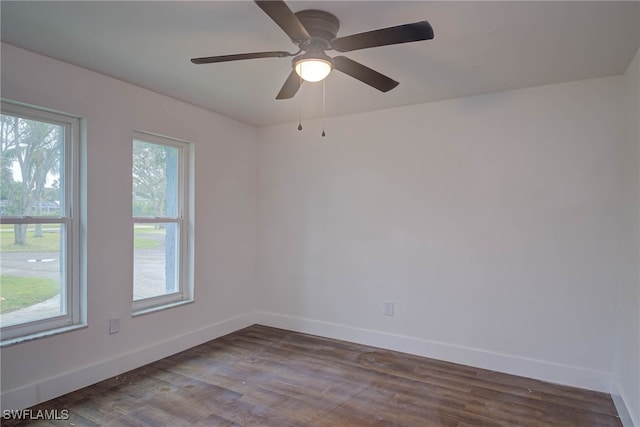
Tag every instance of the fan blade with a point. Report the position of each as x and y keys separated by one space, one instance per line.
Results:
x=364 y=74
x=290 y=86
x=240 y=56
x=386 y=36
x=286 y=19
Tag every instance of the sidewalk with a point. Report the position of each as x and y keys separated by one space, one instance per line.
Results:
x=48 y=308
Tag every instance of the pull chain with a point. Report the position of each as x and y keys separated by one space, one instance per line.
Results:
x=324 y=97
x=300 y=104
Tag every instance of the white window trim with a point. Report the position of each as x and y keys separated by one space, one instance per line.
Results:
x=184 y=219
x=76 y=311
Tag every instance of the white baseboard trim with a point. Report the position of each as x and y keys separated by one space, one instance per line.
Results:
x=510 y=364
x=49 y=388
x=621 y=407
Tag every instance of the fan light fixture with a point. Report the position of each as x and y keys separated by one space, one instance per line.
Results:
x=313 y=69
x=314 y=32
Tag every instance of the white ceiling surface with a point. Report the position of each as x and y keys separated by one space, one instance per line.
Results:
x=479 y=47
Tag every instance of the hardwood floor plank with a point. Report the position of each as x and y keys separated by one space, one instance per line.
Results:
x=262 y=376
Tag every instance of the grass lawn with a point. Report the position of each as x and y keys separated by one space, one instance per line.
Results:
x=50 y=241
x=144 y=243
x=148 y=236
x=19 y=292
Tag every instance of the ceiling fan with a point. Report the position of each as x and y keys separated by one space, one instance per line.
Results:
x=314 y=32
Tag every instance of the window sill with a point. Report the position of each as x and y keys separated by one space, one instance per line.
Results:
x=148 y=310
x=41 y=335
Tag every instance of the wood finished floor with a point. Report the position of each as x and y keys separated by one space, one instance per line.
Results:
x=261 y=376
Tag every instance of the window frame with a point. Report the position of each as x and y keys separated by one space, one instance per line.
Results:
x=69 y=220
x=183 y=219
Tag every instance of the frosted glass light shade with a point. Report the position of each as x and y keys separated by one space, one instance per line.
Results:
x=313 y=69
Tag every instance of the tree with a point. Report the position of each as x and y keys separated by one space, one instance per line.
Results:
x=30 y=151
x=149 y=179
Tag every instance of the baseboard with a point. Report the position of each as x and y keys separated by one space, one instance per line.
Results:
x=515 y=365
x=621 y=407
x=32 y=394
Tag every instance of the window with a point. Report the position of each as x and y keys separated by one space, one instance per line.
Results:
x=39 y=221
x=161 y=236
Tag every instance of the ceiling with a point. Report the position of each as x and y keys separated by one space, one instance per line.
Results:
x=479 y=47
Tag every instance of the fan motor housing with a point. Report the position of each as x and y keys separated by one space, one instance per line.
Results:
x=322 y=26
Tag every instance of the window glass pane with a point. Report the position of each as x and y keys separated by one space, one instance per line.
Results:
x=39 y=284
x=31 y=272
x=31 y=167
x=155 y=183
x=156 y=255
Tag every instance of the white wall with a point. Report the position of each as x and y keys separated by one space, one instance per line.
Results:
x=627 y=356
x=493 y=223
x=225 y=206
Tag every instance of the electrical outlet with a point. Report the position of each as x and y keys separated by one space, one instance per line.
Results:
x=388 y=308
x=114 y=325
